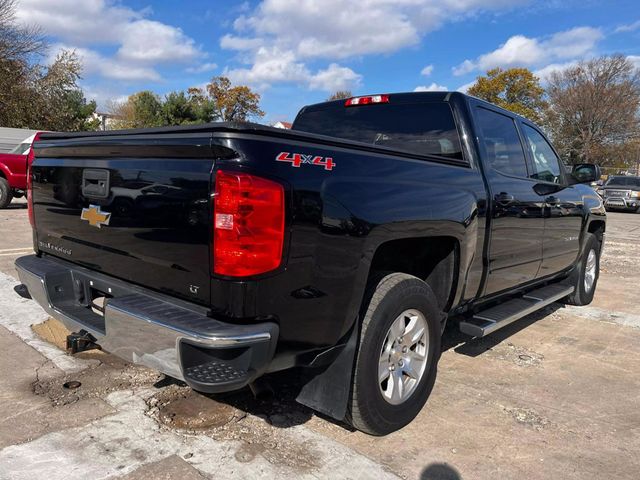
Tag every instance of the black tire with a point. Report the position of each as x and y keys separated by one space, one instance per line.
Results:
x=6 y=194
x=390 y=297
x=581 y=295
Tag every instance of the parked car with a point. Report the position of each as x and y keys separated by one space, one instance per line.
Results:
x=343 y=245
x=622 y=193
x=13 y=172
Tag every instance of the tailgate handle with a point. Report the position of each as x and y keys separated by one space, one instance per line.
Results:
x=95 y=183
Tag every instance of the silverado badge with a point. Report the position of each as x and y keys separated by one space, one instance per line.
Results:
x=95 y=216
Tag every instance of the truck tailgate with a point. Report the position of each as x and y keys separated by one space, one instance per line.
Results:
x=130 y=207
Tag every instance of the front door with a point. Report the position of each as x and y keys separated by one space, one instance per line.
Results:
x=517 y=211
x=564 y=204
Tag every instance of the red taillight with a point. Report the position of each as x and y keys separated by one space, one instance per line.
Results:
x=248 y=225
x=30 y=158
x=368 y=100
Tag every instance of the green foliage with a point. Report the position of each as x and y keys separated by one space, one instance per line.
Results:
x=32 y=95
x=220 y=101
x=515 y=89
x=233 y=104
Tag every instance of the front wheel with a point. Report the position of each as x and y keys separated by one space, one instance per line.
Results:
x=6 y=194
x=586 y=272
x=397 y=359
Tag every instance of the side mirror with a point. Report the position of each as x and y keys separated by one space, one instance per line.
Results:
x=586 y=173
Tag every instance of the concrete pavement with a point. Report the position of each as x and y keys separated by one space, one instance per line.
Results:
x=554 y=395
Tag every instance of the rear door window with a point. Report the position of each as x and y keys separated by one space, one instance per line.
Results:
x=502 y=143
x=419 y=128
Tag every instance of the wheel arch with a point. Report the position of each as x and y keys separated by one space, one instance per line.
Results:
x=434 y=259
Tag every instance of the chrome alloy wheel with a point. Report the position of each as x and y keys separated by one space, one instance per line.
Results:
x=590 y=271
x=403 y=358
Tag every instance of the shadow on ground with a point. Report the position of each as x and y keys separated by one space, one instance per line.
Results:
x=16 y=206
x=463 y=344
x=440 y=471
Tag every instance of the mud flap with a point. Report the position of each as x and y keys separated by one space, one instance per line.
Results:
x=329 y=391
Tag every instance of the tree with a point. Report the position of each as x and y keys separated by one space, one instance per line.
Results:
x=142 y=109
x=233 y=104
x=339 y=95
x=34 y=96
x=190 y=108
x=17 y=42
x=61 y=104
x=177 y=110
x=515 y=89
x=594 y=108
x=219 y=101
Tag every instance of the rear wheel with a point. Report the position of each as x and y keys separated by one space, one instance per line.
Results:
x=585 y=275
x=6 y=194
x=397 y=359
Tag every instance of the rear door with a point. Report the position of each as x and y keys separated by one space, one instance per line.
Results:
x=517 y=211
x=564 y=204
x=136 y=207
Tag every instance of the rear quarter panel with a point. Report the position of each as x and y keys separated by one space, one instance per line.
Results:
x=337 y=220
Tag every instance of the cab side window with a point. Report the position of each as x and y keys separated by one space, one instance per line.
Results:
x=546 y=165
x=502 y=143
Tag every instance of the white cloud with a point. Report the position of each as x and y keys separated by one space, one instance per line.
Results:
x=465 y=88
x=524 y=51
x=331 y=30
x=631 y=27
x=635 y=59
x=434 y=87
x=275 y=66
x=111 y=68
x=80 y=22
x=140 y=44
x=545 y=72
x=203 y=68
x=426 y=71
x=335 y=78
x=154 y=42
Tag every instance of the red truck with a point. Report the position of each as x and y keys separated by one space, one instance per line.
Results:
x=13 y=171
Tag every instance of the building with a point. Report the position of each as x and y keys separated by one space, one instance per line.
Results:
x=107 y=120
x=12 y=137
x=286 y=125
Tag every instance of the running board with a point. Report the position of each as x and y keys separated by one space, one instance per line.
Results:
x=488 y=321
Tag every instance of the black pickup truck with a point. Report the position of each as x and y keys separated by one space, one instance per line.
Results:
x=223 y=252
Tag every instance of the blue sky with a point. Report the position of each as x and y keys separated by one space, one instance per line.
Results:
x=295 y=52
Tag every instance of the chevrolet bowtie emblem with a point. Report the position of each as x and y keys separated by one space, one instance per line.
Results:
x=95 y=216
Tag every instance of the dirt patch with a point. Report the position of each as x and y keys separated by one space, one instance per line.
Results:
x=185 y=409
x=521 y=356
x=526 y=416
x=261 y=434
x=109 y=375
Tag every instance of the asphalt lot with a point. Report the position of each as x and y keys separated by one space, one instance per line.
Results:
x=555 y=395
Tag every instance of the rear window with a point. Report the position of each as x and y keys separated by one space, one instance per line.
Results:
x=623 y=182
x=419 y=128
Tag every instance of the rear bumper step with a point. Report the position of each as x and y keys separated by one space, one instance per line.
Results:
x=488 y=321
x=143 y=327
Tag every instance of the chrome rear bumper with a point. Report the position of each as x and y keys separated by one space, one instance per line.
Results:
x=144 y=327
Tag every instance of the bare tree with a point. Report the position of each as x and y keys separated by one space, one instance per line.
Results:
x=17 y=42
x=594 y=110
x=339 y=95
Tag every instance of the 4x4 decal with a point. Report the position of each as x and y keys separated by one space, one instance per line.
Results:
x=297 y=159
